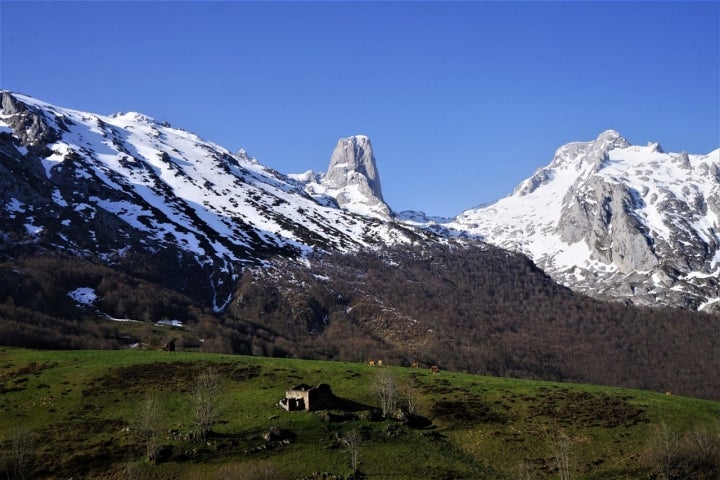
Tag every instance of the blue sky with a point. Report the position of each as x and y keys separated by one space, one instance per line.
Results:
x=462 y=100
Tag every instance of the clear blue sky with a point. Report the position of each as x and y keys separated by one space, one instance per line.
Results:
x=462 y=100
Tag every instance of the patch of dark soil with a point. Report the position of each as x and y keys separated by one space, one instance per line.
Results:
x=11 y=389
x=472 y=410
x=441 y=386
x=164 y=375
x=80 y=431
x=583 y=409
x=75 y=449
x=25 y=370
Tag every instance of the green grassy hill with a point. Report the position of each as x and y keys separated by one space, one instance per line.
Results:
x=77 y=414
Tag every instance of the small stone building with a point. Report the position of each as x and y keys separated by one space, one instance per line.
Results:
x=305 y=397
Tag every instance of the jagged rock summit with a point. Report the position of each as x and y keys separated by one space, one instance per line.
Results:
x=118 y=186
x=616 y=221
x=604 y=217
x=352 y=180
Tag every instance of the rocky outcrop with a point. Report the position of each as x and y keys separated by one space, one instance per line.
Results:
x=29 y=124
x=616 y=221
x=602 y=215
x=353 y=180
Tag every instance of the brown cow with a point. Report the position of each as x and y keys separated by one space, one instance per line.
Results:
x=379 y=363
x=169 y=346
x=435 y=369
x=371 y=363
x=414 y=365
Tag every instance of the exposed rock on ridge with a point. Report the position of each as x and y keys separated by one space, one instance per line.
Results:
x=616 y=221
x=352 y=178
x=108 y=187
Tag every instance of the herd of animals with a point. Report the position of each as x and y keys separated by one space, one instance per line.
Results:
x=169 y=346
x=379 y=363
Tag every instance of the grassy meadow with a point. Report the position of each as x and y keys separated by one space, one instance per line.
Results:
x=77 y=414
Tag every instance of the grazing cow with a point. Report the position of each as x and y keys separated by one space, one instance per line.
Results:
x=379 y=363
x=371 y=363
x=414 y=365
x=435 y=369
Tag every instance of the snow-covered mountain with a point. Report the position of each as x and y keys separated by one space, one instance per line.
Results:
x=604 y=217
x=106 y=185
x=352 y=179
x=616 y=220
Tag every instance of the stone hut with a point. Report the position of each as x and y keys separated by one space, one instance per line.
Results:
x=305 y=397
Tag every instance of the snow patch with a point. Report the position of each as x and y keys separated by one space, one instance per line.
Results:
x=33 y=229
x=169 y=323
x=83 y=295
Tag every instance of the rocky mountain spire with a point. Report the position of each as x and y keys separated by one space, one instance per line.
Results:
x=353 y=179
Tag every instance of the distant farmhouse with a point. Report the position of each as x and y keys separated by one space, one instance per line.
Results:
x=305 y=397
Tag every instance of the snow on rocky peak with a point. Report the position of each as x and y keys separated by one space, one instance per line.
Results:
x=106 y=185
x=604 y=217
x=352 y=179
x=616 y=220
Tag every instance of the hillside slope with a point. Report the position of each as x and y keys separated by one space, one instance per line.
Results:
x=97 y=414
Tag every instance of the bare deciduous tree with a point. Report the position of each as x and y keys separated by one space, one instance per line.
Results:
x=147 y=426
x=352 y=441
x=664 y=451
x=703 y=443
x=411 y=398
x=387 y=391
x=525 y=470
x=563 y=452
x=15 y=456
x=205 y=400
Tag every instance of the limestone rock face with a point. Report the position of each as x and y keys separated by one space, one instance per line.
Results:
x=601 y=214
x=353 y=180
x=617 y=221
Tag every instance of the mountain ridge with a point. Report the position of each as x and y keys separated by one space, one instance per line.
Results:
x=135 y=183
x=616 y=221
x=604 y=217
x=117 y=231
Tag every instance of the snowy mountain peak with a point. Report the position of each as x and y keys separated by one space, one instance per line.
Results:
x=112 y=186
x=353 y=157
x=610 y=139
x=616 y=220
x=352 y=180
x=575 y=159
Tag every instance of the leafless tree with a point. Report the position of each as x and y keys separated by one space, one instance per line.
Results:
x=562 y=450
x=387 y=391
x=525 y=470
x=664 y=450
x=411 y=398
x=352 y=441
x=204 y=399
x=147 y=425
x=16 y=453
x=703 y=443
